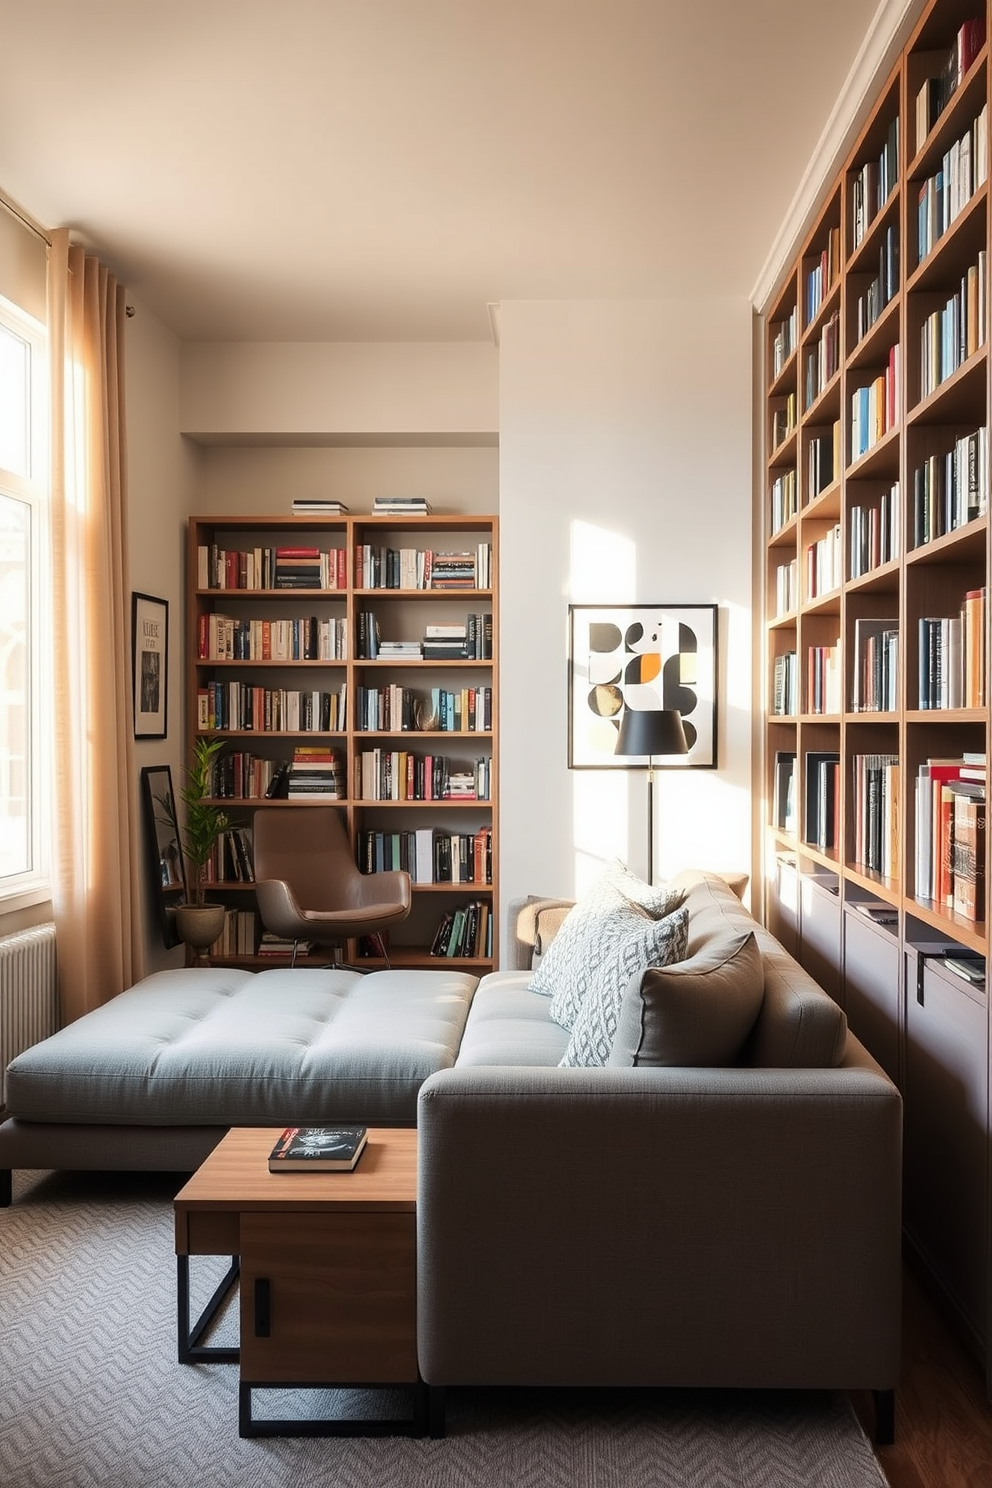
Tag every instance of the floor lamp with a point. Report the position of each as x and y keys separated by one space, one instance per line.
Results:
x=645 y=734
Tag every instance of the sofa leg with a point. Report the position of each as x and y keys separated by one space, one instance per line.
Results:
x=6 y=1188
x=435 y=1410
x=885 y=1417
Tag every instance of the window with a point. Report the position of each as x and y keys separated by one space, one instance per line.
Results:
x=24 y=628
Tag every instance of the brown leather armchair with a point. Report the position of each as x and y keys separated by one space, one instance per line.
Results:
x=308 y=885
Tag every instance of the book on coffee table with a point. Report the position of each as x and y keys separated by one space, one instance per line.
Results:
x=317 y=1149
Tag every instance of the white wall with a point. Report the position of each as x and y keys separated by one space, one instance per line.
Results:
x=163 y=487
x=625 y=476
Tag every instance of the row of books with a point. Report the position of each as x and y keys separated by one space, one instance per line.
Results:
x=824 y=563
x=951 y=489
x=950 y=834
x=241 y=706
x=874 y=184
x=239 y=936
x=874 y=536
x=378 y=566
x=270 y=568
x=783 y=500
x=784 y=419
x=823 y=693
x=823 y=360
x=884 y=287
x=823 y=461
x=787 y=587
x=951 y=335
x=401 y=506
x=429 y=854
x=318 y=506
x=944 y=195
x=231 y=860
x=952 y=655
x=465 y=931
x=394 y=709
x=785 y=685
x=821 y=810
x=875 y=670
x=241 y=776
x=302 y=638
x=785 y=336
x=938 y=90
x=875 y=408
x=875 y=802
x=822 y=276
x=400 y=775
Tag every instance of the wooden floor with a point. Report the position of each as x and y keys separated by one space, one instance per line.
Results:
x=943 y=1416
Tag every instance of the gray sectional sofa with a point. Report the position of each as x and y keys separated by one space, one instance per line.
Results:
x=717 y=1205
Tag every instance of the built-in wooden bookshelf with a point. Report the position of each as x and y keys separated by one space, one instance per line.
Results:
x=876 y=566
x=332 y=642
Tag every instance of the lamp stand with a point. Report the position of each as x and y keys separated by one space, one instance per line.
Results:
x=650 y=819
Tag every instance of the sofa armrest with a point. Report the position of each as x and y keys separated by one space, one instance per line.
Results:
x=720 y=1227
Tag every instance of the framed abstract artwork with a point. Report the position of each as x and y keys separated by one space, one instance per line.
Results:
x=642 y=656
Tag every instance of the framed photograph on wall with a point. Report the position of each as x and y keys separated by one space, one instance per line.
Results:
x=150 y=665
x=642 y=656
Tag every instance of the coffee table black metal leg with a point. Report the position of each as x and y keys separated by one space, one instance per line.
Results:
x=191 y=1350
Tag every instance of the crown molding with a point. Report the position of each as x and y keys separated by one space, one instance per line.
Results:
x=886 y=35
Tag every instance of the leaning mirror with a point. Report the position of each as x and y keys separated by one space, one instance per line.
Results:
x=165 y=862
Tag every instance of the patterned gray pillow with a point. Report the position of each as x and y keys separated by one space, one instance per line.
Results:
x=571 y=964
x=658 y=943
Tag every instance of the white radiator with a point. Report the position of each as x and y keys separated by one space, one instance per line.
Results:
x=29 y=992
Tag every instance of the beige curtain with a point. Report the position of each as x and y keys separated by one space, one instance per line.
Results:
x=95 y=867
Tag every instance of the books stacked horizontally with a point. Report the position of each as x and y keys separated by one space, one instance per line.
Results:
x=274 y=947
x=399 y=651
x=445 y=642
x=315 y=774
x=318 y=506
x=453 y=571
x=401 y=506
x=318 y=1149
x=299 y=568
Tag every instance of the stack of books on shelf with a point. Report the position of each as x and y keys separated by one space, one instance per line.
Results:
x=454 y=571
x=883 y=288
x=821 y=278
x=401 y=506
x=950 y=834
x=467 y=640
x=952 y=656
x=238 y=935
x=785 y=677
x=949 y=336
x=875 y=533
x=938 y=90
x=276 y=947
x=823 y=679
x=783 y=500
x=945 y=194
x=305 y=568
x=431 y=855
x=823 y=360
x=398 y=651
x=231 y=859
x=784 y=337
x=824 y=569
x=787 y=586
x=872 y=186
x=875 y=407
x=821 y=827
x=240 y=706
x=784 y=794
x=303 y=638
x=318 y=506
x=315 y=774
x=876 y=813
x=952 y=489
x=875 y=673
x=465 y=931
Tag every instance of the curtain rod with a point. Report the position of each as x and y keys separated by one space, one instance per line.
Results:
x=22 y=217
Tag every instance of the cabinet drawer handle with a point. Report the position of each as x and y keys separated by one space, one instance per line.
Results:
x=263 y=1307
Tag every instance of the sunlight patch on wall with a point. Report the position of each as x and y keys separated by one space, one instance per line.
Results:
x=602 y=567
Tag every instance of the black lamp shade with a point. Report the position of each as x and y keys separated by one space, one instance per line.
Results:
x=645 y=733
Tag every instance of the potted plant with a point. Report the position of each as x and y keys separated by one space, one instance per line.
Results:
x=203 y=825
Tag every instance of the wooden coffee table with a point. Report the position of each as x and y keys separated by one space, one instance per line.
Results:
x=328 y=1273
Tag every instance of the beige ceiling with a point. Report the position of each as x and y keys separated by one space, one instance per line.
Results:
x=383 y=169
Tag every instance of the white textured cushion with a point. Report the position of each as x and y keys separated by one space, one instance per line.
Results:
x=571 y=963
x=636 y=947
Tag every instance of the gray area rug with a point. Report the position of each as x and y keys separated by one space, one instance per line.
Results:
x=91 y=1392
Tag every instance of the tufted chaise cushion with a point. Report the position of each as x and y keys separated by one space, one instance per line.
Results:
x=227 y=1047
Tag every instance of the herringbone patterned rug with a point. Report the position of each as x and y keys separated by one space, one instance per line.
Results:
x=91 y=1395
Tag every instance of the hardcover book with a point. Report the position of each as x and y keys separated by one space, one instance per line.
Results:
x=318 y=1149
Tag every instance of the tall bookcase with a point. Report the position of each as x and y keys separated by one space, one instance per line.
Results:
x=339 y=665
x=874 y=513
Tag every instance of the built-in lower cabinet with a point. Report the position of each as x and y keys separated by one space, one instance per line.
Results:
x=873 y=989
